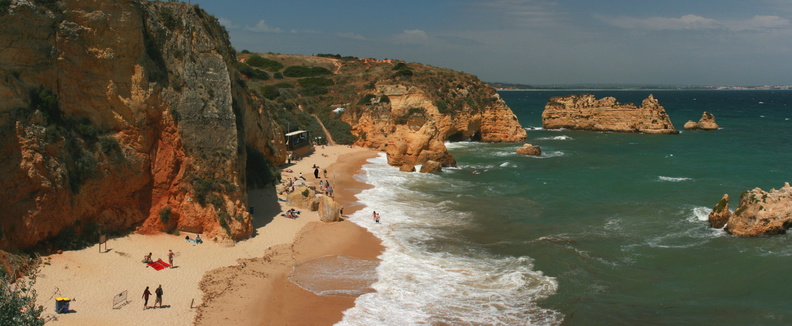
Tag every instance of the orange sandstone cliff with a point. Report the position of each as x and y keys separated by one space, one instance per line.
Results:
x=121 y=115
x=412 y=129
x=585 y=112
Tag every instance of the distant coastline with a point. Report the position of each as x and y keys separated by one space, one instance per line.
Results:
x=522 y=87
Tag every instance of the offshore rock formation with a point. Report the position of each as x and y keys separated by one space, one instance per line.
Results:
x=124 y=114
x=529 y=149
x=759 y=213
x=707 y=122
x=412 y=129
x=585 y=112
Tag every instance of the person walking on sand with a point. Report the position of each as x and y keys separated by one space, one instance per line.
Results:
x=170 y=257
x=158 y=292
x=325 y=173
x=146 y=295
x=316 y=172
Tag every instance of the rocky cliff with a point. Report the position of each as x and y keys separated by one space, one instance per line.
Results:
x=585 y=112
x=124 y=114
x=758 y=213
x=408 y=110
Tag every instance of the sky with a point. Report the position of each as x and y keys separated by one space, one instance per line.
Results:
x=535 y=42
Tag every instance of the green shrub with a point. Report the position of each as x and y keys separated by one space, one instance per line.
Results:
x=168 y=19
x=223 y=216
x=4 y=6
x=316 y=81
x=278 y=75
x=314 y=91
x=400 y=66
x=251 y=72
x=340 y=130
x=164 y=214
x=403 y=73
x=384 y=99
x=46 y=101
x=284 y=85
x=18 y=300
x=366 y=99
x=302 y=71
x=261 y=62
x=270 y=92
x=243 y=51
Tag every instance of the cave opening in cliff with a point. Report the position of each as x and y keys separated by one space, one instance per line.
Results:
x=460 y=136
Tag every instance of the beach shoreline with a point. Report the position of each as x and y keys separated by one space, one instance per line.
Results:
x=261 y=292
x=105 y=286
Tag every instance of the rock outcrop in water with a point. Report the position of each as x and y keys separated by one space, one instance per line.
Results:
x=412 y=129
x=585 y=112
x=707 y=122
x=758 y=213
x=529 y=149
x=124 y=114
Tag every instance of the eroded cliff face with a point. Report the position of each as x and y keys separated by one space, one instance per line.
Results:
x=758 y=213
x=585 y=112
x=122 y=115
x=412 y=130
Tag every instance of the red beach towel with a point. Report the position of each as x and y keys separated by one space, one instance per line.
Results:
x=159 y=264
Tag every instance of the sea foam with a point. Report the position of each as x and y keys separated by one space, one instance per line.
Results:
x=426 y=278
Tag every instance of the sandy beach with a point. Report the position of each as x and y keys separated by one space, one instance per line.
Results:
x=244 y=283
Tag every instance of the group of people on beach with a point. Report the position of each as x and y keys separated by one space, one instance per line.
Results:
x=157 y=301
x=147 y=258
x=195 y=241
x=292 y=213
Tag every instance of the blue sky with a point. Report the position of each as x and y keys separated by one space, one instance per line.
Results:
x=673 y=42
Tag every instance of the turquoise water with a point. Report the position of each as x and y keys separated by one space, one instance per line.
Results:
x=602 y=229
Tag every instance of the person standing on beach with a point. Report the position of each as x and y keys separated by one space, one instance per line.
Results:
x=170 y=257
x=146 y=295
x=316 y=172
x=325 y=173
x=158 y=291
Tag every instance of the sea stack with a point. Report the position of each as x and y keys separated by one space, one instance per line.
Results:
x=585 y=112
x=759 y=213
x=707 y=122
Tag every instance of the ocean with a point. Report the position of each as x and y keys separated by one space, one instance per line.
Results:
x=602 y=229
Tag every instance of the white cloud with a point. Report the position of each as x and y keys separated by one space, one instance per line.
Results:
x=227 y=23
x=686 y=22
x=695 y=22
x=765 y=22
x=412 y=36
x=352 y=36
x=262 y=27
x=524 y=12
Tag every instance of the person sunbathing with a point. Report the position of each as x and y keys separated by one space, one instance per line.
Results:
x=147 y=258
x=198 y=238
x=192 y=241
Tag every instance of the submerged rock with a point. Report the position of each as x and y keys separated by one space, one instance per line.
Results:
x=431 y=167
x=528 y=149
